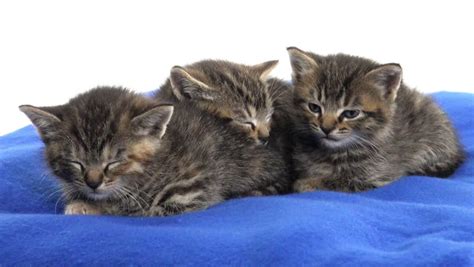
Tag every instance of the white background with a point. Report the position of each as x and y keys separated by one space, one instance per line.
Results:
x=52 y=50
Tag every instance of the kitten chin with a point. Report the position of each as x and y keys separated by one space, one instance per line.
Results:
x=103 y=192
x=337 y=144
x=333 y=141
x=98 y=195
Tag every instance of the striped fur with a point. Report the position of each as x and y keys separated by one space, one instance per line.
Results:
x=237 y=94
x=146 y=158
x=397 y=132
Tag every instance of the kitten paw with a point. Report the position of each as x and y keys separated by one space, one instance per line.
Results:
x=254 y=193
x=80 y=208
x=307 y=185
x=153 y=211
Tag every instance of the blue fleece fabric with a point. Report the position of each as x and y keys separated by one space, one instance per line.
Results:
x=416 y=221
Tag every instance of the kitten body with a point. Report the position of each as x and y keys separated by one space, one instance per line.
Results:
x=240 y=96
x=119 y=153
x=236 y=94
x=356 y=126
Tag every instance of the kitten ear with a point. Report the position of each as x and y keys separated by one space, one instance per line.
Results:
x=301 y=62
x=47 y=123
x=184 y=85
x=264 y=69
x=387 y=78
x=153 y=122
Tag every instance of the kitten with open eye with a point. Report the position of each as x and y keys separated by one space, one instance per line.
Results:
x=238 y=94
x=357 y=126
x=119 y=153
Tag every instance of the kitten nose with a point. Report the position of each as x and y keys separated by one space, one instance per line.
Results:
x=93 y=184
x=327 y=131
x=94 y=178
x=263 y=133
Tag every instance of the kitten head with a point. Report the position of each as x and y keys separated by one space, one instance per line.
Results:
x=99 y=143
x=343 y=100
x=236 y=93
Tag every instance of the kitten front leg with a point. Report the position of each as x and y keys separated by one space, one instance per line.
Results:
x=308 y=185
x=274 y=189
x=333 y=184
x=81 y=208
x=173 y=208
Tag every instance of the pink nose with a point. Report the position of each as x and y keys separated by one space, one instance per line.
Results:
x=94 y=178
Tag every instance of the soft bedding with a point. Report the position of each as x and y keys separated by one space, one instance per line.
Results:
x=416 y=221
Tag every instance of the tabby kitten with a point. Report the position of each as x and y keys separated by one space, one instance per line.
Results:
x=235 y=93
x=119 y=153
x=357 y=126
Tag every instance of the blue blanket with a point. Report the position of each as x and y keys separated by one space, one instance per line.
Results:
x=415 y=221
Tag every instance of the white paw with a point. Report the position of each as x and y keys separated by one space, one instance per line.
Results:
x=80 y=208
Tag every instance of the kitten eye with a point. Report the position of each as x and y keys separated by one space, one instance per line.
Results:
x=350 y=113
x=120 y=152
x=314 y=108
x=250 y=124
x=113 y=164
x=227 y=120
x=76 y=164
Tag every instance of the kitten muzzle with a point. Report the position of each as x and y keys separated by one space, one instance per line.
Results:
x=94 y=178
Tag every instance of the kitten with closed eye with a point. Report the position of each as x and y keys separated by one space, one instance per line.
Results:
x=235 y=93
x=116 y=152
x=356 y=126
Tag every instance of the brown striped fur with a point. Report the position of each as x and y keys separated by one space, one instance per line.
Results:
x=237 y=94
x=397 y=131
x=116 y=152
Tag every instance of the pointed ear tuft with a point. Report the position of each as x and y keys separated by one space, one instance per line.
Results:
x=386 y=78
x=184 y=85
x=264 y=69
x=47 y=123
x=301 y=62
x=152 y=122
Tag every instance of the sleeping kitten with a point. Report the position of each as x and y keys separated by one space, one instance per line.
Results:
x=119 y=153
x=238 y=94
x=357 y=126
